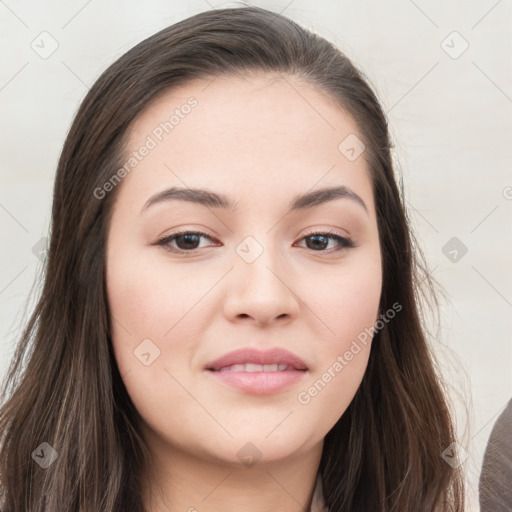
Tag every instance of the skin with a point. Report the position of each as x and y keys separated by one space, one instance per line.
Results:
x=259 y=141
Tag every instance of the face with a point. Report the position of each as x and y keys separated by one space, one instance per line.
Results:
x=269 y=272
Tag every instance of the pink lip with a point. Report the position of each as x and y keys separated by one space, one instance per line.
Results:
x=259 y=383
x=250 y=355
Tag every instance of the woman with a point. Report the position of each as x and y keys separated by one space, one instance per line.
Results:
x=281 y=365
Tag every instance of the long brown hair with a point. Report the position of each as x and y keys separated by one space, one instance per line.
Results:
x=63 y=386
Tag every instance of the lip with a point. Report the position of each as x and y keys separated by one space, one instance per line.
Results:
x=250 y=355
x=258 y=383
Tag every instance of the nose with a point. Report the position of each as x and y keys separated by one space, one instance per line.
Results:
x=261 y=291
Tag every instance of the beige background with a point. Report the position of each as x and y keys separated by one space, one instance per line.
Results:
x=449 y=108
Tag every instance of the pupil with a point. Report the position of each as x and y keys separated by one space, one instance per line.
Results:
x=315 y=238
x=188 y=238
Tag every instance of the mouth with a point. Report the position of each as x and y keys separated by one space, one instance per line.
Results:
x=256 y=372
x=252 y=368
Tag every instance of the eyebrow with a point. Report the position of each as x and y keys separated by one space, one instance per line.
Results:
x=214 y=200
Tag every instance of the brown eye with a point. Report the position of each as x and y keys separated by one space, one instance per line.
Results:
x=186 y=241
x=189 y=241
x=319 y=241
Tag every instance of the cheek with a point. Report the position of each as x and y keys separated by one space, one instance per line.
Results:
x=145 y=292
x=156 y=309
x=136 y=308
x=356 y=307
x=346 y=304
x=145 y=303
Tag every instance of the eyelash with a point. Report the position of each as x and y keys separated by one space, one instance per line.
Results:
x=344 y=242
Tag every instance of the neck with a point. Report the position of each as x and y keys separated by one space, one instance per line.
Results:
x=181 y=481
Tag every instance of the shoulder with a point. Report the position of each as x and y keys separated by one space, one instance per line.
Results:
x=496 y=472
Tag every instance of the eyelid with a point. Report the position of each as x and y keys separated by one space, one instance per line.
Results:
x=326 y=231
x=309 y=232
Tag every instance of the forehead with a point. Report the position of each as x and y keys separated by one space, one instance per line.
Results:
x=242 y=132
